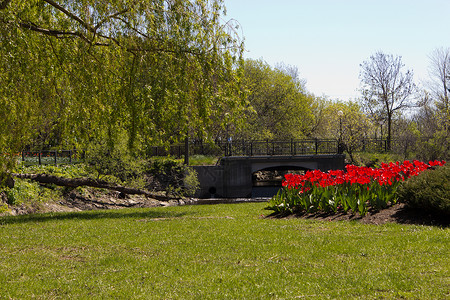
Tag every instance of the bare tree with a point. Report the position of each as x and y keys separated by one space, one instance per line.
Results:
x=440 y=83
x=385 y=88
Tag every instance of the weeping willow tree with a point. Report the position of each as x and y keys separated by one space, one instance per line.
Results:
x=73 y=73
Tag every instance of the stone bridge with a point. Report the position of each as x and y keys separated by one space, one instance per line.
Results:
x=232 y=177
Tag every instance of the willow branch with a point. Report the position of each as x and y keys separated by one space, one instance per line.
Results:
x=59 y=33
x=71 y=15
x=115 y=15
x=4 y=4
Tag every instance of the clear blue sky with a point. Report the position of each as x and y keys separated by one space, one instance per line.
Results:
x=328 y=39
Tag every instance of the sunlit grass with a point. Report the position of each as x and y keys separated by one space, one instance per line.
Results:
x=217 y=252
x=202 y=160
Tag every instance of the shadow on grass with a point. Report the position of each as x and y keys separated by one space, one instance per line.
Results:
x=416 y=216
x=399 y=213
x=137 y=213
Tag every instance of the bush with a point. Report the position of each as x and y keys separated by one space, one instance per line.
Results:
x=374 y=160
x=173 y=177
x=114 y=163
x=429 y=191
x=67 y=171
x=25 y=192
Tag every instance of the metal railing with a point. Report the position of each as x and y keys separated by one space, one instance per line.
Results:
x=229 y=148
x=273 y=148
x=46 y=157
x=250 y=148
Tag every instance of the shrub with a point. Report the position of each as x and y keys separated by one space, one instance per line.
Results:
x=429 y=191
x=114 y=163
x=67 y=171
x=173 y=177
x=25 y=191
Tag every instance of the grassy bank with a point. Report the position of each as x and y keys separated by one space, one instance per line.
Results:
x=217 y=252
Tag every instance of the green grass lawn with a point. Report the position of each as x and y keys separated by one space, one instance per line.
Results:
x=217 y=252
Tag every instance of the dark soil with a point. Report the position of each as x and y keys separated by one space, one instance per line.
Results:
x=399 y=213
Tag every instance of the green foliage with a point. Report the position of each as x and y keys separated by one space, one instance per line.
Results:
x=190 y=182
x=357 y=198
x=202 y=160
x=375 y=160
x=26 y=192
x=114 y=163
x=429 y=191
x=345 y=122
x=3 y=207
x=78 y=73
x=280 y=106
x=436 y=147
x=174 y=177
x=67 y=171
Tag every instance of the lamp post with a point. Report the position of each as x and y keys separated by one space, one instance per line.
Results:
x=381 y=129
x=381 y=122
x=186 y=150
x=340 y=148
x=228 y=144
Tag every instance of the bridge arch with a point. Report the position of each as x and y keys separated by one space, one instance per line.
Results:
x=283 y=165
x=233 y=176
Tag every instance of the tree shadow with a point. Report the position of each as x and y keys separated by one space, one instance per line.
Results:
x=400 y=213
x=415 y=216
x=138 y=213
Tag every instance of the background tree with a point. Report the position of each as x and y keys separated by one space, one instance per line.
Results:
x=385 y=88
x=440 y=83
x=280 y=107
x=347 y=123
x=438 y=101
x=91 y=72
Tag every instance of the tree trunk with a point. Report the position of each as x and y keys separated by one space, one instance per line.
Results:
x=388 y=139
x=76 y=182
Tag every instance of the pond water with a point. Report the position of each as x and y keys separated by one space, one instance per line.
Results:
x=265 y=191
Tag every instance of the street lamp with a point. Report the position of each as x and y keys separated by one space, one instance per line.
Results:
x=227 y=144
x=381 y=122
x=340 y=114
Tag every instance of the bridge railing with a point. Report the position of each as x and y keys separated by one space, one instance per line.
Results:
x=233 y=148
x=250 y=148
x=270 y=148
x=195 y=148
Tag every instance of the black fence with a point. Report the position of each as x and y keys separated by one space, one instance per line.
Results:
x=251 y=148
x=272 y=148
x=47 y=157
x=232 y=148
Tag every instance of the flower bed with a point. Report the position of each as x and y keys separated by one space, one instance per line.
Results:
x=356 y=188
